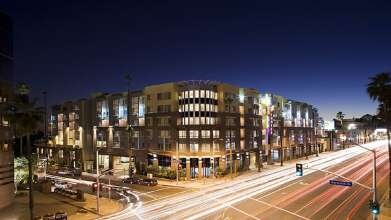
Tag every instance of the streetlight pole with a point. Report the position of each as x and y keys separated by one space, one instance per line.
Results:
x=44 y=93
x=97 y=180
x=177 y=162
x=374 y=188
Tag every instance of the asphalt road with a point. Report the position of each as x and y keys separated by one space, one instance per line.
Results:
x=277 y=193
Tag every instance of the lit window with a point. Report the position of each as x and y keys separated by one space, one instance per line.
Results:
x=197 y=93
x=191 y=94
x=182 y=134
x=191 y=121
x=196 y=120
x=216 y=95
x=182 y=147
x=202 y=107
x=205 y=133
x=207 y=94
x=193 y=147
x=202 y=120
x=191 y=108
x=207 y=107
x=216 y=147
x=196 y=107
x=186 y=94
x=216 y=134
x=193 y=133
x=202 y=94
x=205 y=148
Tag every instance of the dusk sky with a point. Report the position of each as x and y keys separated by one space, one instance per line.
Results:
x=322 y=54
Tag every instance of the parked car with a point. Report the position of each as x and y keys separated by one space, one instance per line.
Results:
x=131 y=180
x=148 y=182
x=62 y=185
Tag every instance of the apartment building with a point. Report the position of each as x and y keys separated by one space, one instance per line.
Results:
x=201 y=125
x=6 y=78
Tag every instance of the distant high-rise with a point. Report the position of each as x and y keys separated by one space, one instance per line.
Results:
x=6 y=78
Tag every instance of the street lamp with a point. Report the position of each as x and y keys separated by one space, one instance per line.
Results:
x=97 y=180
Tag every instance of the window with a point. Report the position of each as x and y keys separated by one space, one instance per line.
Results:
x=116 y=139
x=205 y=133
x=230 y=133
x=164 y=133
x=61 y=153
x=193 y=133
x=163 y=108
x=182 y=134
x=191 y=94
x=216 y=134
x=202 y=94
x=196 y=107
x=205 y=147
x=230 y=122
x=193 y=147
x=216 y=147
x=197 y=93
x=164 y=96
x=182 y=147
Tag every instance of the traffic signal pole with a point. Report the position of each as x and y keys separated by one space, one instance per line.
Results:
x=374 y=201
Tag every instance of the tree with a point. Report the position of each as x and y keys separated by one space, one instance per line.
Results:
x=340 y=116
x=26 y=117
x=379 y=89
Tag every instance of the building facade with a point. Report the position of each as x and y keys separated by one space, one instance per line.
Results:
x=6 y=73
x=203 y=126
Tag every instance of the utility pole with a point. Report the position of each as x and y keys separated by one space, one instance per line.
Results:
x=281 y=139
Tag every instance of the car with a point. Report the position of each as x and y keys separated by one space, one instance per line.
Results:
x=148 y=182
x=131 y=180
x=62 y=185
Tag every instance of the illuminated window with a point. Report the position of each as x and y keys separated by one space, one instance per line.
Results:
x=202 y=108
x=202 y=120
x=182 y=134
x=205 y=133
x=182 y=147
x=196 y=107
x=193 y=147
x=216 y=147
x=191 y=94
x=186 y=94
x=197 y=93
x=216 y=134
x=193 y=133
x=191 y=121
x=196 y=120
x=191 y=108
x=205 y=147
x=202 y=94
x=207 y=93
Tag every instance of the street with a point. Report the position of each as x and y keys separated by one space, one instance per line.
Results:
x=278 y=193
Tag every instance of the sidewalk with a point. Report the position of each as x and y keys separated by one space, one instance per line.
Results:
x=206 y=182
x=52 y=203
x=385 y=208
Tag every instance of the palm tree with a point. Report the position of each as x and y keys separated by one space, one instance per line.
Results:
x=340 y=116
x=379 y=89
x=26 y=118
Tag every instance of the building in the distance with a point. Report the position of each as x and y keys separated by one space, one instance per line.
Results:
x=6 y=73
x=199 y=124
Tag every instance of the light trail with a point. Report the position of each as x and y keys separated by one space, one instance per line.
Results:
x=201 y=203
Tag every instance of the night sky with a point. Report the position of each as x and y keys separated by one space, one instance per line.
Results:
x=319 y=53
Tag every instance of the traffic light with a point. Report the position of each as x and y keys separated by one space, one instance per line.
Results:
x=299 y=169
x=374 y=207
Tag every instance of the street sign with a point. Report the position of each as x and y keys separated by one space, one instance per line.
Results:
x=340 y=183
